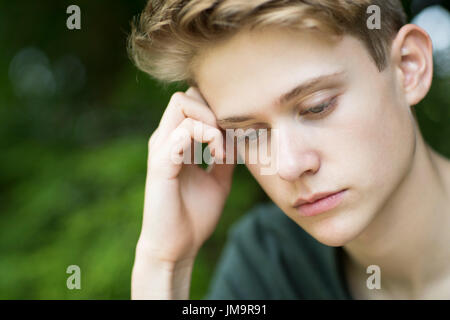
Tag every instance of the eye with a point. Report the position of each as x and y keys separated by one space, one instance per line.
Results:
x=320 y=110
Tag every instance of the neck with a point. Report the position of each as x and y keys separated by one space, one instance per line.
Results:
x=409 y=237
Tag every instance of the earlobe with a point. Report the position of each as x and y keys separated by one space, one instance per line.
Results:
x=413 y=55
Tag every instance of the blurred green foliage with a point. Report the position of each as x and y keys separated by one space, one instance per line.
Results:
x=73 y=137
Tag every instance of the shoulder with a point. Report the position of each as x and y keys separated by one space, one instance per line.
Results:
x=266 y=226
x=265 y=257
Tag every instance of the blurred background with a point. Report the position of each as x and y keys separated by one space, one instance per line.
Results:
x=75 y=117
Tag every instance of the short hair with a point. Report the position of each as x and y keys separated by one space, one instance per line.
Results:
x=167 y=36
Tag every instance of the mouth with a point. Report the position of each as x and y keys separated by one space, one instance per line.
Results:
x=319 y=203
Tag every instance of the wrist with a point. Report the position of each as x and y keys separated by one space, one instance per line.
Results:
x=160 y=277
x=152 y=253
x=157 y=279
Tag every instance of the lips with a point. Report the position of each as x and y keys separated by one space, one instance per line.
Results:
x=314 y=198
x=319 y=203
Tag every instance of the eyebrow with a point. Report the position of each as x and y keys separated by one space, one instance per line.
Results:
x=285 y=98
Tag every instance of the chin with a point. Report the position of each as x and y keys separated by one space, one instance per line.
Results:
x=338 y=228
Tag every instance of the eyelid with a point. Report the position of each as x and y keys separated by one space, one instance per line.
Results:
x=331 y=104
x=317 y=98
x=255 y=126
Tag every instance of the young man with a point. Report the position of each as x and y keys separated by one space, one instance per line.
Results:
x=339 y=95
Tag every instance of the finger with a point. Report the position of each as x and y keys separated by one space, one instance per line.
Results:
x=231 y=147
x=202 y=133
x=153 y=138
x=223 y=172
x=168 y=160
x=180 y=107
x=195 y=93
x=180 y=142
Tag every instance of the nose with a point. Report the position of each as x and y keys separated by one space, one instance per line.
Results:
x=295 y=157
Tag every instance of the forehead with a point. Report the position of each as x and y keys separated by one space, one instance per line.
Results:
x=251 y=69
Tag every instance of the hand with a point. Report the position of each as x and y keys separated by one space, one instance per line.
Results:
x=183 y=202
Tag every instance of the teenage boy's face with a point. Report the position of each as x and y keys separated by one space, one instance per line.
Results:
x=363 y=142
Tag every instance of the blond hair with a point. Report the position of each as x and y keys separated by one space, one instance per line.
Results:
x=166 y=37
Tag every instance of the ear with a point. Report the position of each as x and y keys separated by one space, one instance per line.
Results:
x=412 y=55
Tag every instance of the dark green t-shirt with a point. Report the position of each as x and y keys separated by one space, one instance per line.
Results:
x=269 y=256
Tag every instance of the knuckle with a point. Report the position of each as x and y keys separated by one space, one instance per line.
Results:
x=188 y=122
x=179 y=134
x=176 y=99
x=152 y=138
x=215 y=133
x=190 y=91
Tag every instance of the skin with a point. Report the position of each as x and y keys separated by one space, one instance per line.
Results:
x=397 y=198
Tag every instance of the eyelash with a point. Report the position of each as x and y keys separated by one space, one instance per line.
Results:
x=328 y=106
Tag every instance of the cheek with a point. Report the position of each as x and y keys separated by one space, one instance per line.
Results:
x=271 y=184
x=379 y=143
